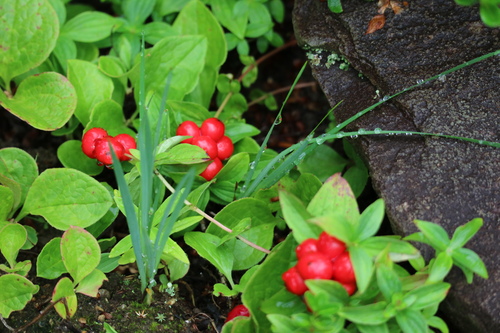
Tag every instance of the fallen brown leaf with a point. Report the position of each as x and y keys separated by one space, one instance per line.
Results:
x=376 y=23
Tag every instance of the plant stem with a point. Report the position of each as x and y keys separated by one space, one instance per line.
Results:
x=208 y=217
x=282 y=90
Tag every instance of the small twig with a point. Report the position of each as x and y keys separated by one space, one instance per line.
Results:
x=37 y=318
x=282 y=90
x=5 y=324
x=208 y=217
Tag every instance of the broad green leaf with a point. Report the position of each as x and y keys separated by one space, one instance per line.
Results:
x=371 y=219
x=467 y=258
x=196 y=19
x=89 y=27
x=207 y=245
x=29 y=33
x=15 y=292
x=108 y=114
x=296 y=217
x=70 y=155
x=80 y=253
x=112 y=66
x=440 y=268
x=411 y=321
x=21 y=268
x=32 y=239
x=6 y=202
x=322 y=162
x=121 y=247
x=182 y=154
x=15 y=189
x=230 y=17
x=235 y=168
x=398 y=249
x=382 y=328
x=428 y=295
x=176 y=259
x=64 y=289
x=335 y=6
x=60 y=9
x=45 y=101
x=261 y=232
x=49 y=264
x=66 y=197
x=91 y=283
x=80 y=73
x=335 y=292
x=435 y=234
x=465 y=232
x=267 y=281
x=260 y=20
x=156 y=31
x=12 y=238
x=65 y=49
x=363 y=267
x=222 y=192
x=335 y=198
x=438 y=323
x=107 y=264
x=165 y=7
x=372 y=314
x=137 y=12
x=183 y=56
x=238 y=130
x=388 y=281
x=336 y=225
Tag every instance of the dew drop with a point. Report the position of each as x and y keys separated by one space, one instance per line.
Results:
x=377 y=130
x=481 y=142
x=361 y=131
x=320 y=139
x=441 y=78
x=243 y=188
x=408 y=133
x=420 y=81
x=252 y=165
x=385 y=98
x=278 y=120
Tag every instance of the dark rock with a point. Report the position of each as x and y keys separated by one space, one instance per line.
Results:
x=440 y=180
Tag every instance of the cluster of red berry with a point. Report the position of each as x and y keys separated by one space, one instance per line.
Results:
x=324 y=258
x=210 y=137
x=95 y=144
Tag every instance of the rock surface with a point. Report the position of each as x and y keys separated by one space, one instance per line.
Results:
x=434 y=179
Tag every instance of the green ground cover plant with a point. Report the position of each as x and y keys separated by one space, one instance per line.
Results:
x=70 y=69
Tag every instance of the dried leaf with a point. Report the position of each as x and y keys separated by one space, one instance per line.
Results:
x=376 y=23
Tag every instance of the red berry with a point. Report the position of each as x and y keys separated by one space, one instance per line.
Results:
x=102 y=152
x=350 y=287
x=343 y=271
x=330 y=245
x=225 y=147
x=237 y=311
x=212 y=169
x=310 y=245
x=294 y=283
x=213 y=128
x=89 y=140
x=315 y=265
x=128 y=143
x=207 y=144
x=190 y=128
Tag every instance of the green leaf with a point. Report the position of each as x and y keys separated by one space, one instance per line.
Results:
x=465 y=232
x=66 y=197
x=136 y=12
x=335 y=198
x=80 y=252
x=80 y=73
x=470 y=260
x=12 y=238
x=296 y=217
x=91 y=283
x=428 y=295
x=438 y=323
x=70 y=155
x=46 y=101
x=322 y=162
x=183 y=56
x=363 y=267
x=372 y=314
x=238 y=130
x=435 y=234
x=411 y=321
x=182 y=154
x=260 y=20
x=6 y=202
x=64 y=289
x=235 y=168
x=440 y=268
x=335 y=6
x=112 y=66
x=49 y=264
x=108 y=114
x=65 y=49
x=18 y=165
x=29 y=34
x=156 y=31
x=235 y=19
x=490 y=14
x=371 y=219
x=89 y=27
x=394 y=245
x=15 y=292
x=207 y=245
x=388 y=281
x=336 y=225
x=260 y=233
